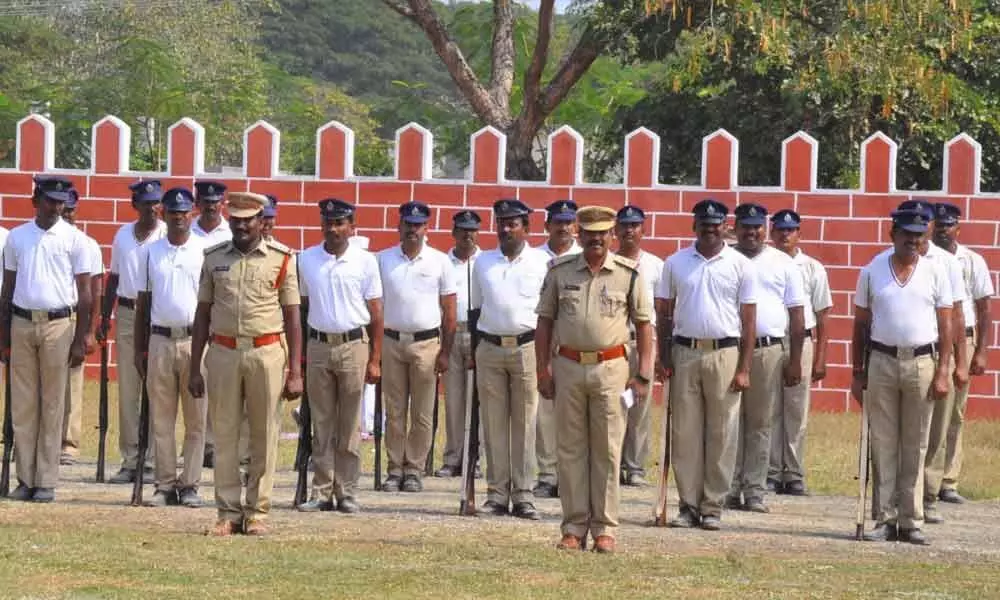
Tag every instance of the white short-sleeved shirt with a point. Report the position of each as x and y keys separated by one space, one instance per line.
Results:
x=461 y=274
x=817 y=287
x=173 y=276
x=952 y=269
x=47 y=263
x=977 y=280
x=4 y=232
x=574 y=248
x=220 y=234
x=339 y=288
x=708 y=291
x=96 y=258
x=779 y=287
x=125 y=256
x=507 y=291
x=651 y=269
x=412 y=288
x=903 y=314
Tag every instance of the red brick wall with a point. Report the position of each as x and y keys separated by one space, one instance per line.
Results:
x=842 y=228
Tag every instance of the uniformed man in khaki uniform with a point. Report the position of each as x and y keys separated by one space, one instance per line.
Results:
x=249 y=300
x=587 y=302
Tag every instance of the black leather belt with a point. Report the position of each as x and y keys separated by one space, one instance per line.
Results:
x=904 y=353
x=128 y=303
x=172 y=332
x=42 y=315
x=708 y=344
x=336 y=338
x=509 y=341
x=970 y=331
x=767 y=340
x=419 y=336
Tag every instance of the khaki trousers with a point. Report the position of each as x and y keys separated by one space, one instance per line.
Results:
x=591 y=422
x=408 y=386
x=900 y=408
x=129 y=389
x=508 y=402
x=39 y=367
x=245 y=382
x=454 y=399
x=953 y=440
x=546 y=441
x=705 y=426
x=635 y=448
x=788 y=423
x=335 y=375
x=166 y=383
x=73 y=415
x=753 y=448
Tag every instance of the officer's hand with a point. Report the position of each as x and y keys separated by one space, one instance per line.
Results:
x=471 y=363
x=77 y=352
x=196 y=384
x=639 y=390
x=546 y=385
x=441 y=363
x=661 y=374
x=819 y=371
x=293 y=387
x=940 y=386
x=978 y=366
x=102 y=330
x=666 y=364
x=373 y=372
x=961 y=377
x=741 y=381
x=793 y=374
x=858 y=385
x=90 y=344
x=140 y=363
x=4 y=353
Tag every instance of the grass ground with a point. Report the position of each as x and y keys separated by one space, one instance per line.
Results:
x=89 y=544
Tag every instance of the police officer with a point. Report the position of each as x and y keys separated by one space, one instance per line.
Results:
x=903 y=314
x=560 y=224
x=506 y=283
x=630 y=231
x=587 y=301
x=465 y=232
x=342 y=294
x=46 y=281
x=419 y=286
x=73 y=416
x=248 y=298
x=706 y=316
x=121 y=288
x=780 y=299
x=270 y=217
x=942 y=475
x=213 y=229
x=788 y=420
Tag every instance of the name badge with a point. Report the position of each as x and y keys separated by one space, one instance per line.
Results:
x=571 y=287
x=221 y=268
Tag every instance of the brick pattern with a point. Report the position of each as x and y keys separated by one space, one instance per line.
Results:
x=842 y=228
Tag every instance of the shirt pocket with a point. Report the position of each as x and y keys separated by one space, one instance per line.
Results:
x=613 y=304
x=571 y=302
x=529 y=286
x=226 y=284
x=426 y=282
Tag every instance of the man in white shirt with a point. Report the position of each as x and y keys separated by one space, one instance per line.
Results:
x=506 y=283
x=941 y=478
x=169 y=271
x=122 y=288
x=788 y=421
x=210 y=199
x=903 y=322
x=780 y=297
x=342 y=295
x=73 y=416
x=560 y=224
x=419 y=286
x=706 y=317
x=465 y=231
x=630 y=231
x=46 y=281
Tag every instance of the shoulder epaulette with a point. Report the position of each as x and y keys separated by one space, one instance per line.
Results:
x=562 y=260
x=276 y=245
x=217 y=247
x=626 y=262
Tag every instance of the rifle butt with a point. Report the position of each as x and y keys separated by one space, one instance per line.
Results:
x=102 y=416
x=377 y=426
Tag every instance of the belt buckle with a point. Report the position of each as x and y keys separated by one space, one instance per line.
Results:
x=178 y=333
x=244 y=343
x=405 y=338
x=509 y=341
x=905 y=353
x=338 y=339
x=704 y=345
x=39 y=316
x=590 y=358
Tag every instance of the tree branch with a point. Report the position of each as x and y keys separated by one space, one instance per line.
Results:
x=571 y=69
x=533 y=76
x=502 y=74
x=399 y=8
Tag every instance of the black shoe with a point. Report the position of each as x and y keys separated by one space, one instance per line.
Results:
x=161 y=499
x=883 y=532
x=123 y=476
x=931 y=514
x=635 y=479
x=495 y=508
x=44 y=495
x=189 y=497
x=148 y=476
x=392 y=483
x=913 y=536
x=544 y=489
x=208 y=462
x=756 y=505
x=685 y=519
x=733 y=502
x=316 y=505
x=448 y=471
x=348 y=505
x=794 y=488
x=412 y=484
x=711 y=523
x=951 y=497
x=774 y=486
x=525 y=510
x=22 y=493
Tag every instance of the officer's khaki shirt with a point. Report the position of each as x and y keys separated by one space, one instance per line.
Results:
x=592 y=311
x=243 y=289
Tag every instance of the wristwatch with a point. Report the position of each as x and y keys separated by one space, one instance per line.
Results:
x=642 y=379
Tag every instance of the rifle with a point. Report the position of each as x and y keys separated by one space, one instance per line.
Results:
x=102 y=412
x=429 y=464
x=304 y=449
x=8 y=433
x=660 y=508
x=140 y=460
x=470 y=450
x=377 y=426
x=863 y=455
